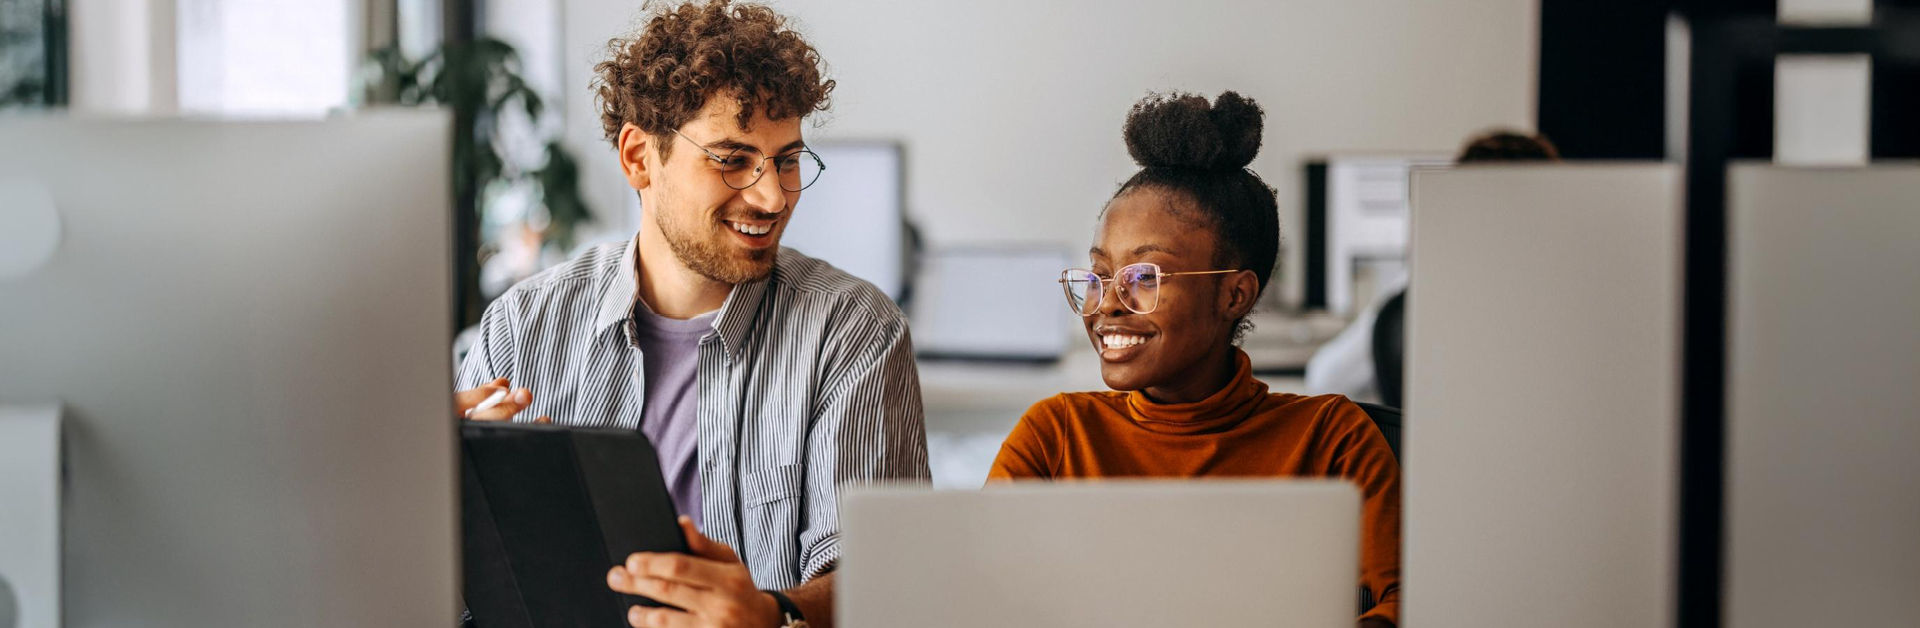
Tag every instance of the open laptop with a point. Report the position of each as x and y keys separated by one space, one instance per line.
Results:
x=1267 y=553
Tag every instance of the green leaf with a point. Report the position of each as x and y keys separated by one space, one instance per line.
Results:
x=481 y=81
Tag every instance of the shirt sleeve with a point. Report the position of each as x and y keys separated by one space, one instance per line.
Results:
x=1360 y=454
x=479 y=367
x=869 y=428
x=490 y=357
x=1344 y=365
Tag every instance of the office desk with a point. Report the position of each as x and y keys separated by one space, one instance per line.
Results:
x=972 y=405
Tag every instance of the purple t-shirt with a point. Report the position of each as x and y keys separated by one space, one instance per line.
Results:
x=669 y=416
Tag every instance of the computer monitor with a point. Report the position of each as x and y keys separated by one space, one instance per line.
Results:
x=853 y=217
x=1000 y=303
x=246 y=326
x=1357 y=216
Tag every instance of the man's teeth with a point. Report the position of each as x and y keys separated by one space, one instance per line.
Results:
x=1116 y=341
x=751 y=229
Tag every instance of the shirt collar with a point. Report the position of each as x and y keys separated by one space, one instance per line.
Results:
x=733 y=323
x=1219 y=412
x=616 y=304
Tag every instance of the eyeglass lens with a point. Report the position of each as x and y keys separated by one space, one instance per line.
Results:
x=796 y=171
x=1139 y=288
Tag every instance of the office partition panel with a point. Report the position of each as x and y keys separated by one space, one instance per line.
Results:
x=1542 y=386
x=1823 y=400
x=245 y=326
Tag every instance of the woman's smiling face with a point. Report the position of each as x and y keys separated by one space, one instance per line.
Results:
x=1196 y=314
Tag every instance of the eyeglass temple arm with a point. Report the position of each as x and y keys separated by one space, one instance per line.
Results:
x=1200 y=272
x=1189 y=272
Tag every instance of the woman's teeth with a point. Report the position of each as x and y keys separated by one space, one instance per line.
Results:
x=751 y=229
x=1117 y=341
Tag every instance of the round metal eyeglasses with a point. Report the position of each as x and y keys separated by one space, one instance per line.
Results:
x=742 y=167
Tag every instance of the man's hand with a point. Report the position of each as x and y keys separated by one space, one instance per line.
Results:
x=711 y=585
x=517 y=401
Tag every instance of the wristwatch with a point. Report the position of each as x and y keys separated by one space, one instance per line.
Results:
x=790 y=612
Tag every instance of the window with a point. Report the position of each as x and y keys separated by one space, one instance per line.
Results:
x=265 y=57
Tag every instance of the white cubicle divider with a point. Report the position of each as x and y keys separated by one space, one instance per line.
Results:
x=1823 y=408
x=245 y=324
x=29 y=515
x=1543 y=396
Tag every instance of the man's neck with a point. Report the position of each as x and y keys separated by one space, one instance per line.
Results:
x=669 y=288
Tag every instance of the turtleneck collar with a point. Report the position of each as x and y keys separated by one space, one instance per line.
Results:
x=1219 y=412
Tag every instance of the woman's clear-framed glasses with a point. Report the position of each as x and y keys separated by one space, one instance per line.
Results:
x=743 y=167
x=1136 y=285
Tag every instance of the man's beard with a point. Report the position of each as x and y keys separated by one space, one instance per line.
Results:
x=703 y=252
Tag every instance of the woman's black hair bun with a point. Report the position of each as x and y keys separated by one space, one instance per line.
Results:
x=1179 y=130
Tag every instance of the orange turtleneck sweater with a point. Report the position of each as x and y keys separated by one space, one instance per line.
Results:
x=1240 y=431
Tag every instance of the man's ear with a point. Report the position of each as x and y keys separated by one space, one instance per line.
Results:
x=1237 y=294
x=634 y=146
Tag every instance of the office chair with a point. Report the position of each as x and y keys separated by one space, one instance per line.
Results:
x=1390 y=349
x=1388 y=420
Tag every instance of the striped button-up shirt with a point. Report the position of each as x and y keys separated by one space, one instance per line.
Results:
x=806 y=384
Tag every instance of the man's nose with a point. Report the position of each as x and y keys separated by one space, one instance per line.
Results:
x=765 y=194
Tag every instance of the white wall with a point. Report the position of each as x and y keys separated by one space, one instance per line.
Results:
x=1011 y=110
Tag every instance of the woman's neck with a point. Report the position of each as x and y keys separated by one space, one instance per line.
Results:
x=1211 y=374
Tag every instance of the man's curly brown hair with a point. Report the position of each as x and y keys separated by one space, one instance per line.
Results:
x=658 y=78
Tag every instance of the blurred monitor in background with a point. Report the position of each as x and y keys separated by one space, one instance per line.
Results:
x=856 y=217
x=1356 y=227
x=999 y=304
x=1358 y=363
x=1358 y=213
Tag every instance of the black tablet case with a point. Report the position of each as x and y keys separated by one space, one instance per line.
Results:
x=547 y=511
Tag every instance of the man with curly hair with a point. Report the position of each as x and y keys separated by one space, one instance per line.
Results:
x=765 y=379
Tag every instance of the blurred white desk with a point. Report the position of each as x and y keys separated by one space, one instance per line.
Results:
x=1283 y=342
x=971 y=406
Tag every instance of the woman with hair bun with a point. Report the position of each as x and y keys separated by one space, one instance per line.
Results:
x=1182 y=252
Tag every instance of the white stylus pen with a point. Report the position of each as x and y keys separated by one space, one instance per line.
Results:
x=491 y=401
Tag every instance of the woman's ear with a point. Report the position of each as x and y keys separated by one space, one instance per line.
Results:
x=1237 y=294
x=633 y=147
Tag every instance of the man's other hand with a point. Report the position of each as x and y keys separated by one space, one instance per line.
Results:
x=711 y=586
x=516 y=402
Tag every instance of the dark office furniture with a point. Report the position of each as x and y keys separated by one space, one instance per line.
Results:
x=1390 y=350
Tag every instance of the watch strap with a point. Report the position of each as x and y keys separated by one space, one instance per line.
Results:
x=790 y=612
